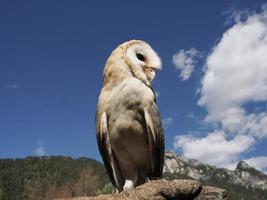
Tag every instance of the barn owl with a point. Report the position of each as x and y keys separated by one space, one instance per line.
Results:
x=129 y=130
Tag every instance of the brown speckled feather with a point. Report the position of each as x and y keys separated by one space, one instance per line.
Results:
x=158 y=145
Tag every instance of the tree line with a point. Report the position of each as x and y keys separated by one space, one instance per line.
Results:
x=46 y=178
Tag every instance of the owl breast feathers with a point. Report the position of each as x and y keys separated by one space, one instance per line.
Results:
x=129 y=130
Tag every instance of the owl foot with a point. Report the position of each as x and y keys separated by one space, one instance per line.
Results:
x=128 y=185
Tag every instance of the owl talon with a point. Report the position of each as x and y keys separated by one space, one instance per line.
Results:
x=128 y=185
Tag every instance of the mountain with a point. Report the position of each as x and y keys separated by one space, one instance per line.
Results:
x=46 y=178
x=244 y=182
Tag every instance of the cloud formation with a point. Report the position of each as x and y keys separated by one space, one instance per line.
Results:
x=258 y=162
x=12 y=86
x=40 y=150
x=185 y=61
x=235 y=75
x=40 y=142
x=215 y=149
x=157 y=93
x=167 y=122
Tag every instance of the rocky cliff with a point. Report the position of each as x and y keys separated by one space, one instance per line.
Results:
x=243 y=175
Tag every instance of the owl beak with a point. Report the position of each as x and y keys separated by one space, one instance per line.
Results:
x=150 y=73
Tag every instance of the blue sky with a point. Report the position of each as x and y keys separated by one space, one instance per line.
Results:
x=52 y=55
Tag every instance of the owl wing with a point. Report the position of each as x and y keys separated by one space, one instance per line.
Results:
x=105 y=149
x=155 y=139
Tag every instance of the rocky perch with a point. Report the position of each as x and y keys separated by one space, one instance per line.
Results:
x=165 y=190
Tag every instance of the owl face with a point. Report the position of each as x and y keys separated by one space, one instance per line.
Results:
x=143 y=60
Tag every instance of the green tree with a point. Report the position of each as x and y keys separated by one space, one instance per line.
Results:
x=1 y=194
x=87 y=184
x=45 y=177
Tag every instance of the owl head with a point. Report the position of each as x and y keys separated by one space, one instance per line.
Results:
x=142 y=59
x=133 y=58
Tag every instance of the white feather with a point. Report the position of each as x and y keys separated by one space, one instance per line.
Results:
x=152 y=59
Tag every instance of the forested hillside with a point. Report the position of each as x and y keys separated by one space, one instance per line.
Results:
x=36 y=178
x=46 y=178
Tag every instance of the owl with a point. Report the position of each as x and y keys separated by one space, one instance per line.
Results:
x=129 y=130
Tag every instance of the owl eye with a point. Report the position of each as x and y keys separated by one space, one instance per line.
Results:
x=140 y=57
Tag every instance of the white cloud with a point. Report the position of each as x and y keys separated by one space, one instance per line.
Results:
x=191 y=115
x=40 y=151
x=215 y=149
x=167 y=122
x=157 y=93
x=234 y=15
x=40 y=142
x=259 y=163
x=236 y=74
x=12 y=86
x=185 y=61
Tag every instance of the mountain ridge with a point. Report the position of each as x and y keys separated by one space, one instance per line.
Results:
x=245 y=182
x=45 y=178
